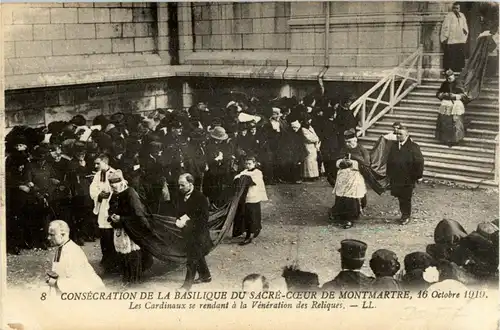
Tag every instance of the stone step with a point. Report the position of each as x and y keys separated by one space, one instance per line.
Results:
x=431 y=119
x=487 y=83
x=472 y=182
x=407 y=109
x=484 y=106
x=427 y=128
x=464 y=170
x=452 y=160
x=432 y=89
x=475 y=152
x=431 y=95
x=429 y=138
x=447 y=166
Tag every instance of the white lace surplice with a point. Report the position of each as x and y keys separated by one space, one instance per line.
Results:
x=350 y=183
x=123 y=243
x=449 y=108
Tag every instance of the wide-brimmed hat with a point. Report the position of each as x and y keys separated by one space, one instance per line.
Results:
x=78 y=120
x=219 y=133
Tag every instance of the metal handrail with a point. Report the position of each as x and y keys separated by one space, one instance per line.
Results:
x=403 y=70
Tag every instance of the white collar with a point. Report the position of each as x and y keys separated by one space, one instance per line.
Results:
x=403 y=143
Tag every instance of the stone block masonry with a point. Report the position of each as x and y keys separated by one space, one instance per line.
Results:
x=39 y=38
x=41 y=106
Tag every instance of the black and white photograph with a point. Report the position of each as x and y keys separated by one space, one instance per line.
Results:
x=217 y=165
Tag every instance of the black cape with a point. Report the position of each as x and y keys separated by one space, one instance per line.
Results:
x=159 y=235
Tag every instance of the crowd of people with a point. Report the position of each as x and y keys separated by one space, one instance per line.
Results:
x=111 y=178
x=456 y=260
x=51 y=170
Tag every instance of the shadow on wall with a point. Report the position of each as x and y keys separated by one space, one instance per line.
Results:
x=41 y=106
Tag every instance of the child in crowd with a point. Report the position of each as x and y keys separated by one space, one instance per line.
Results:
x=256 y=194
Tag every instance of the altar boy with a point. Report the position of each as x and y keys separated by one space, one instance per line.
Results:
x=251 y=214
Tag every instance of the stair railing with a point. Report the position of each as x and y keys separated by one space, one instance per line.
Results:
x=389 y=92
x=497 y=160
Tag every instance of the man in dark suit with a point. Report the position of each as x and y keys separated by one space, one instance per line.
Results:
x=352 y=254
x=405 y=167
x=192 y=217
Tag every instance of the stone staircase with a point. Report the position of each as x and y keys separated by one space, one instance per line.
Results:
x=470 y=163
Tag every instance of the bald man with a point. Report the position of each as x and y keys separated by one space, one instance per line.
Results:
x=405 y=167
x=71 y=271
x=192 y=218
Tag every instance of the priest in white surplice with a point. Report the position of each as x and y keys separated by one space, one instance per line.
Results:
x=71 y=270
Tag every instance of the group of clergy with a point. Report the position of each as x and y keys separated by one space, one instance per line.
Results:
x=50 y=171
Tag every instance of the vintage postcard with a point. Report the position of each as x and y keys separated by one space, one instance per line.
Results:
x=249 y=165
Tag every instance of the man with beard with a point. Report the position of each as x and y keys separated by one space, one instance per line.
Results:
x=275 y=130
x=252 y=141
x=192 y=218
x=218 y=178
x=42 y=183
x=78 y=179
x=174 y=155
x=195 y=160
x=293 y=153
x=330 y=148
x=154 y=175
x=61 y=198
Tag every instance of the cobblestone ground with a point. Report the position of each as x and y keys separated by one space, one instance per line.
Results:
x=296 y=228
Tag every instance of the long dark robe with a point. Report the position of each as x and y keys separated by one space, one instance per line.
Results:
x=158 y=234
x=348 y=208
x=450 y=128
x=474 y=72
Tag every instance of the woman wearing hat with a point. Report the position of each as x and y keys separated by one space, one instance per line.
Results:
x=310 y=169
x=218 y=178
x=450 y=128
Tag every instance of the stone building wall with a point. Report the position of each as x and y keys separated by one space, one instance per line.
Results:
x=54 y=44
x=63 y=59
x=241 y=26
x=362 y=35
x=43 y=105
